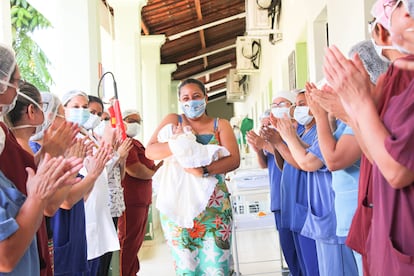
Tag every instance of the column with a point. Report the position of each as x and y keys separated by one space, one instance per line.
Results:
x=77 y=45
x=5 y=23
x=127 y=52
x=151 y=96
x=168 y=90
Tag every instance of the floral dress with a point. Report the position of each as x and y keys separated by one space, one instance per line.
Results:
x=205 y=248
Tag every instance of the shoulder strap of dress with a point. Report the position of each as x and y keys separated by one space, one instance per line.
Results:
x=216 y=120
x=216 y=131
x=180 y=119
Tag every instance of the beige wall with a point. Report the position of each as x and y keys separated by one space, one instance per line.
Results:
x=305 y=21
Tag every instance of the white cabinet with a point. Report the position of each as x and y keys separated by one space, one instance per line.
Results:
x=250 y=199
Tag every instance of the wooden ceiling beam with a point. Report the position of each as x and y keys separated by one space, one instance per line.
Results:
x=201 y=32
x=144 y=27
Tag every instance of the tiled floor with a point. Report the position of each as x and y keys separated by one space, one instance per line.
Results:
x=259 y=254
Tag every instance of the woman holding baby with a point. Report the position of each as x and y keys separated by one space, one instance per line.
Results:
x=204 y=248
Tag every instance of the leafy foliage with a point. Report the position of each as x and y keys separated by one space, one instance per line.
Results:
x=32 y=61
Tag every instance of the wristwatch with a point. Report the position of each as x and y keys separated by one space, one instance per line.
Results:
x=205 y=171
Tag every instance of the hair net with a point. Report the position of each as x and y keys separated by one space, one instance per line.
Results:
x=51 y=105
x=374 y=65
x=71 y=94
x=7 y=66
x=410 y=4
x=128 y=112
x=291 y=97
x=378 y=11
x=265 y=114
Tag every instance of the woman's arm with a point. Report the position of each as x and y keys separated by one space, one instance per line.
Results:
x=296 y=147
x=52 y=174
x=360 y=106
x=228 y=140
x=337 y=154
x=374 y=133
x=156 y=150
x=257 y=143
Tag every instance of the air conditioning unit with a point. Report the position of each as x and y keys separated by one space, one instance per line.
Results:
x=248 y=54
x=237 y=86
x=257 y=17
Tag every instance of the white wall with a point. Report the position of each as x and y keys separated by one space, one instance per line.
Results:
x=305 y=21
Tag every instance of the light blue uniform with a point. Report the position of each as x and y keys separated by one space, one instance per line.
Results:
x=11 y=200
x=345 y=185
x=334 y=257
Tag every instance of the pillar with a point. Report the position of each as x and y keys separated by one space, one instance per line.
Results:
x=127 y=52
x=5 y=23
x=168 y=90
x=151 y=92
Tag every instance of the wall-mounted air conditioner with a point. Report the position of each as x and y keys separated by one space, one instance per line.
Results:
x=248 y=55
x=237 y=86
x=257 y=18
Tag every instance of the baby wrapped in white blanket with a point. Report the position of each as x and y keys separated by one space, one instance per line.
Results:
x=182 y=196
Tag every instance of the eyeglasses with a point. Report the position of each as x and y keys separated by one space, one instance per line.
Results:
x=281 y=104
x=131 y=121
x=390 y=6
x=371 y=24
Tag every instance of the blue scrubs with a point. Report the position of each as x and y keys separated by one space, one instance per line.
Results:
x=334 y=258
x=294 y=205
x=69 y=238
x=285 y=235
x=11 y=200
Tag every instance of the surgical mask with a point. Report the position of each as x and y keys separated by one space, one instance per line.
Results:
x=6 y=108
x=301 y=115
x=100 y=128
x=4 y=84
x=78 y=115
x=194 y=109
x=49 y=119
x=379 y=48
x=92 y=122
x=400 y=49
x=39 y=126
x=132 y=129
x=279 y=112
x=2 y=140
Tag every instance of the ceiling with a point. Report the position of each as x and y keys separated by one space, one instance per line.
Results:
x=200 y=37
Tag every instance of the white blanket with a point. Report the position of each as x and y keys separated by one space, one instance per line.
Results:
x=181 y=195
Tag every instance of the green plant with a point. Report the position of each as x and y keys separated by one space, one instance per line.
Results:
x=31 y=59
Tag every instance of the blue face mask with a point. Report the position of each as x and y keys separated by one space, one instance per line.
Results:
x=78 y=115
x=194 y=109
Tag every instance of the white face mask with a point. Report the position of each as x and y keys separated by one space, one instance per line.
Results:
x=379 y=48
x=400 y=49
x=302 y=116
x=100 y=128
x=92 y=122
x=2 y=139
x=78 y=115
x=132 y=129
x=6 y=108
x=279 y=112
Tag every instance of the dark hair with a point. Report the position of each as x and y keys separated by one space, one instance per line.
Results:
x=94 y=99
x=194 y=81
x=22 y=103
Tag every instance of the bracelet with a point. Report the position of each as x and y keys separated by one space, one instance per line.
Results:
x=205 y=171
